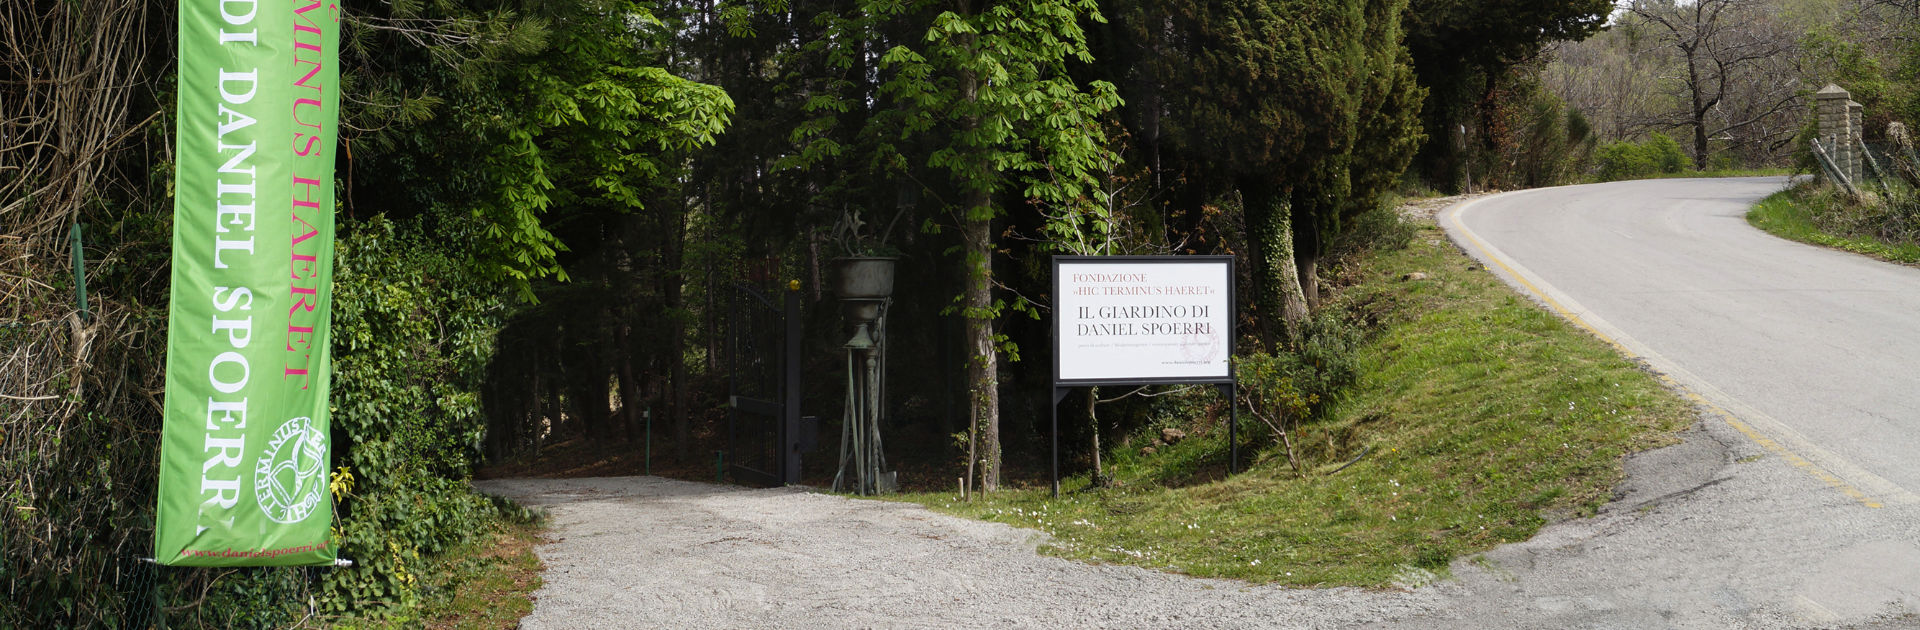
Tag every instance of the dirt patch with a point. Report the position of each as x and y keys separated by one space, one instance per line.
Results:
x=1426 y=209
x=584 y=457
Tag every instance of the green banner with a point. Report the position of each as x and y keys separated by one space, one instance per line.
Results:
x=244 y=449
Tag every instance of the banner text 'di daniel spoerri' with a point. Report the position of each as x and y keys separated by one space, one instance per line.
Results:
x=243 y=462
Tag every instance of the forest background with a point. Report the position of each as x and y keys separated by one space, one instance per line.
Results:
x=546 y=207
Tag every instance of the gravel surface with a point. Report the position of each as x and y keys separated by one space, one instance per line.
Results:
x=1716 y=532
x=646 y=552
x=1710 y=534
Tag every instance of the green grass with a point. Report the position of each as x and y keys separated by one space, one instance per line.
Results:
x=486 y=583
x=1789 y=214
x=1482 y=416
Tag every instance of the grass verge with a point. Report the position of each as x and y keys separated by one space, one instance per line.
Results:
x=1478 y=418
x=487 y=583
x=1725 y=172
x=1693 y=174
x=1789 y=214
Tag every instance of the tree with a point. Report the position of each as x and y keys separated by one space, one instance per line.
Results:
x=564 y=108
x=1303 y=108
x=1386 y=136
x=551 y=143
x=1729 y=50
x=84 y=151
x=1463 y=49
x=987 y=92
x=1613 y=78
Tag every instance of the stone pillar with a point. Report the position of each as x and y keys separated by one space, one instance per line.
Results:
x=1857 y=143
x=1835 y=125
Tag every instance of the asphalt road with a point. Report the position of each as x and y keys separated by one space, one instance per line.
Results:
x=1793 y=504
x=1812 y=347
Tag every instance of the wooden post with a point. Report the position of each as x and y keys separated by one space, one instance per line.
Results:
x=1858 y=144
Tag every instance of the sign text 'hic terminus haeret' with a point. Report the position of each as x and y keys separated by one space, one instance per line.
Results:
x=1143 y=319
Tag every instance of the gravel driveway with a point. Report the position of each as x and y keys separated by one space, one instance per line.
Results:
x=1707 y=534
x=646 y=552
x=1713 y=533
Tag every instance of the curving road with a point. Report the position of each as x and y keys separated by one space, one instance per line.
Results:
x=1810 y=347
x=1794 y=505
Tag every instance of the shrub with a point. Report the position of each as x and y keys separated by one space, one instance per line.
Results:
x=1893 y=218
x=414 y=327
x=1667 y=156
x=1621 y=160
x=1548 y=143
x=1378 y=229
x=1288 y=389
x=1656 y=155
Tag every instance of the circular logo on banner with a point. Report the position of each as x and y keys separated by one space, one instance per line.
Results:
x=292 y=472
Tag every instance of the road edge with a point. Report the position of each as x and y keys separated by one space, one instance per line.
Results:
x=1856 y=483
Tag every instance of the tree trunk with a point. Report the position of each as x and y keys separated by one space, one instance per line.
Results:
x=1308 y=268
x=1278 y=298
x=629 y=387
x=553 y=411
x=983 y=364
x=1492 y=133
x=677 y=392
x=673 y=293
x=1306 y=258
x=590 y=397
x=1093 y=419
x=536 y=422
x=712 y=316
x=1698 y=112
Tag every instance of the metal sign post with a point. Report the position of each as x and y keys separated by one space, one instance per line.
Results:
x=1143 y=320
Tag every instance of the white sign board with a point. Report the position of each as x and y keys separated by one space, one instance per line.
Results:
x=1143 y=319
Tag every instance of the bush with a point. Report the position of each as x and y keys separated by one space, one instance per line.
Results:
x=1667 y=155
x=1378 y=229
x=414 y=328
x=1893 y=218
x=1289 y=389
x=1548 y=143
x=1656 y=155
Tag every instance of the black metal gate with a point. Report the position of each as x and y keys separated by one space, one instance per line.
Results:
x=763 y=387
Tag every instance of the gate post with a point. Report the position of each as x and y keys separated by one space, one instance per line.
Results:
x=1836 y=128
x=790 y=388
x=1232 y=392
